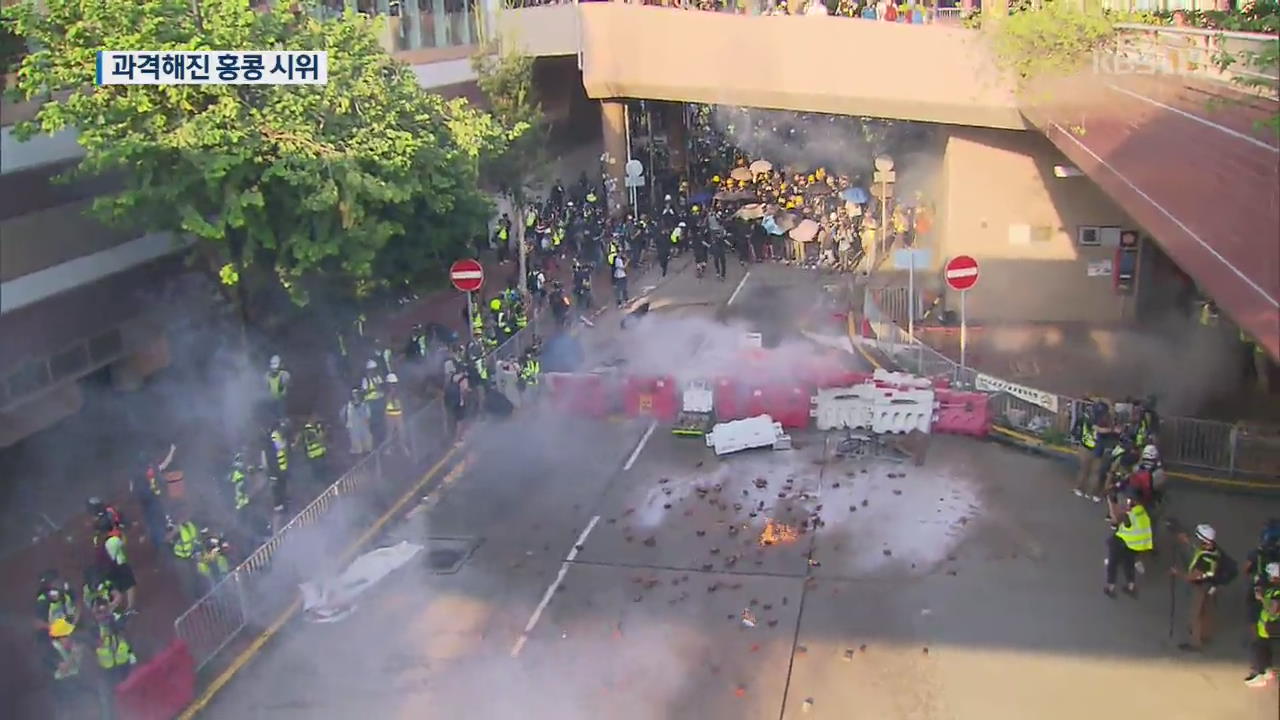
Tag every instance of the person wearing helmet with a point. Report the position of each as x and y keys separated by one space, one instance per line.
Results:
x=1266 y=552
x=356 y=418
x=1132 y=537
x=112 y=555
x=99 y=508
x=373 y=384
x=1201 y=574
x=277 y=383
x=1266 y=628
x=396 y=435
x=276 y=459
x=314 y=441
x=54 y=600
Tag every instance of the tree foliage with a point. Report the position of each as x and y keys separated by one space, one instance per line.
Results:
x=1058 y=38
x=362 y=181
x=506 y=79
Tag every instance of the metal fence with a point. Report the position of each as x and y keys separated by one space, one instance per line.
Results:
x=262 y=585
x=1220 y=447
x=246 y=596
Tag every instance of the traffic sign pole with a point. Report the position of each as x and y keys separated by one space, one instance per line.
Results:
x=964 y=331
x=961 y=274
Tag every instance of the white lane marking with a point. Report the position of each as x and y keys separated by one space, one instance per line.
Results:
x=1247 y=281
x=639 y=446
x=551 y=589
x=738 y=289
x=1190 y=116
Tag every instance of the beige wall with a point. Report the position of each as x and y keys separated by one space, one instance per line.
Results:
x=42 y=239
x=930 y=73
x=993 y=179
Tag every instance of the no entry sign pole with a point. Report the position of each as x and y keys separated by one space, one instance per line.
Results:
x=961 y=273
x=468 y=277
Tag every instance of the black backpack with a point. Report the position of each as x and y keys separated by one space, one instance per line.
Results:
x=1227 y=569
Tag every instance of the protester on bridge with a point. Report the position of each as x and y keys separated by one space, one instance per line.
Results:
x=314 y=439
x=1132 y=536
x=115 y=655
x=1092 y=432
x=183 y=538
x=396 y=435
x=1202 y=574
x=372 y=385
x=98 y=585
x=276 y=459
x=54 y=600
x=1266 y=552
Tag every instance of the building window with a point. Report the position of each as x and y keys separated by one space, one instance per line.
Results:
x=1089 y=236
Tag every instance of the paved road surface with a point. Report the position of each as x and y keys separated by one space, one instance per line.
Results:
x=965 y=588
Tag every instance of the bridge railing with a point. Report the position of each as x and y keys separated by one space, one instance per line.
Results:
x=1239 y=58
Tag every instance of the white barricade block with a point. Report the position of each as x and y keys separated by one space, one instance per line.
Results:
x=752 y=432
x=851 y=407
x=506 y=379
x=900 y=379
x=901 y=411
x=697 y=398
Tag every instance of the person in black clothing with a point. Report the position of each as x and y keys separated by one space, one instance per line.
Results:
x=719 y=250
x=663 y=250
x=701 y=247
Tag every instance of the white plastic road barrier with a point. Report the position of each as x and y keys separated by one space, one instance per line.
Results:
x=900 y=379
x=752 y=432
x=874 y=408
x=835 y=408
x=506 y=378
x=697 y=398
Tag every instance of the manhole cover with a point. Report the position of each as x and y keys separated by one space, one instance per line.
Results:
x=446 y=555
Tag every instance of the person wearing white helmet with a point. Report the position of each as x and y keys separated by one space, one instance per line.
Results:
x=1203 y=574
x=1266 y=635
x=373 y=385
x=394 y=408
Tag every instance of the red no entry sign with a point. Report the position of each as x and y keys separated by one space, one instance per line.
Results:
x=467 y=275
x=962 y=272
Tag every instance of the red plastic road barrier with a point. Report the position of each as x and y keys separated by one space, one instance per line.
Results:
x=788 y=404
x=729 y=400
x=160 y=688
x=962 y=413
x=651 y=397
x=584 y=394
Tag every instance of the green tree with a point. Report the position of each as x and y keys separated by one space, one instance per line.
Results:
x=340 y=187
x=506 y=79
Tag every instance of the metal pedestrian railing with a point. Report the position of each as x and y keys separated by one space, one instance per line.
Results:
x=1227 y=448
x=252 y=590
x=266 y=581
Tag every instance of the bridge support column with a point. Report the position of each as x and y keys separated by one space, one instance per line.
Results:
x=613 y=118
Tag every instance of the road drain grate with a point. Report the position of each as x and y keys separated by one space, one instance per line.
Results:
x=447 y=555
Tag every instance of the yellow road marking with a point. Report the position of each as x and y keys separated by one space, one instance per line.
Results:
x=201 y=702
x=1191 y=477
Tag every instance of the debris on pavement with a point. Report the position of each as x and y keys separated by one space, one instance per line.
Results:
x=748 y=618
x=848 y=655
x=740 y=691
x=807 y=705
x=332 y=599
x=650 y=541
x=775 y=532
x=802 y=649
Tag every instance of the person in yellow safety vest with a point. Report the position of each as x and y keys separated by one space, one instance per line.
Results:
x=98 y=586
x=237 y=477
x=277 y=380
x=54 y=600
x=1261 y=366
x=382 y=355
x=1266 y=630
x=557 y=235
x=211 y=562
x=278 y=465
x=314 y=441
x=1208 y=313
x=184 y=539
x=115 y=655
x=372 y=384
x=1201 y=574
x=1133 y=535
x=395 y=415
x=522 y=318
x=530 y=368
x=591 y=197
x=66 y=651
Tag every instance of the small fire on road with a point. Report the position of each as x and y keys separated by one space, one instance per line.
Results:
x=776 y=533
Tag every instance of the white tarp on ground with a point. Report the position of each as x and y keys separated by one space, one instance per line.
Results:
x=333 y=599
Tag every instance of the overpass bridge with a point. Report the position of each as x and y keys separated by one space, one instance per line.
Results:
x=1172 y=143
